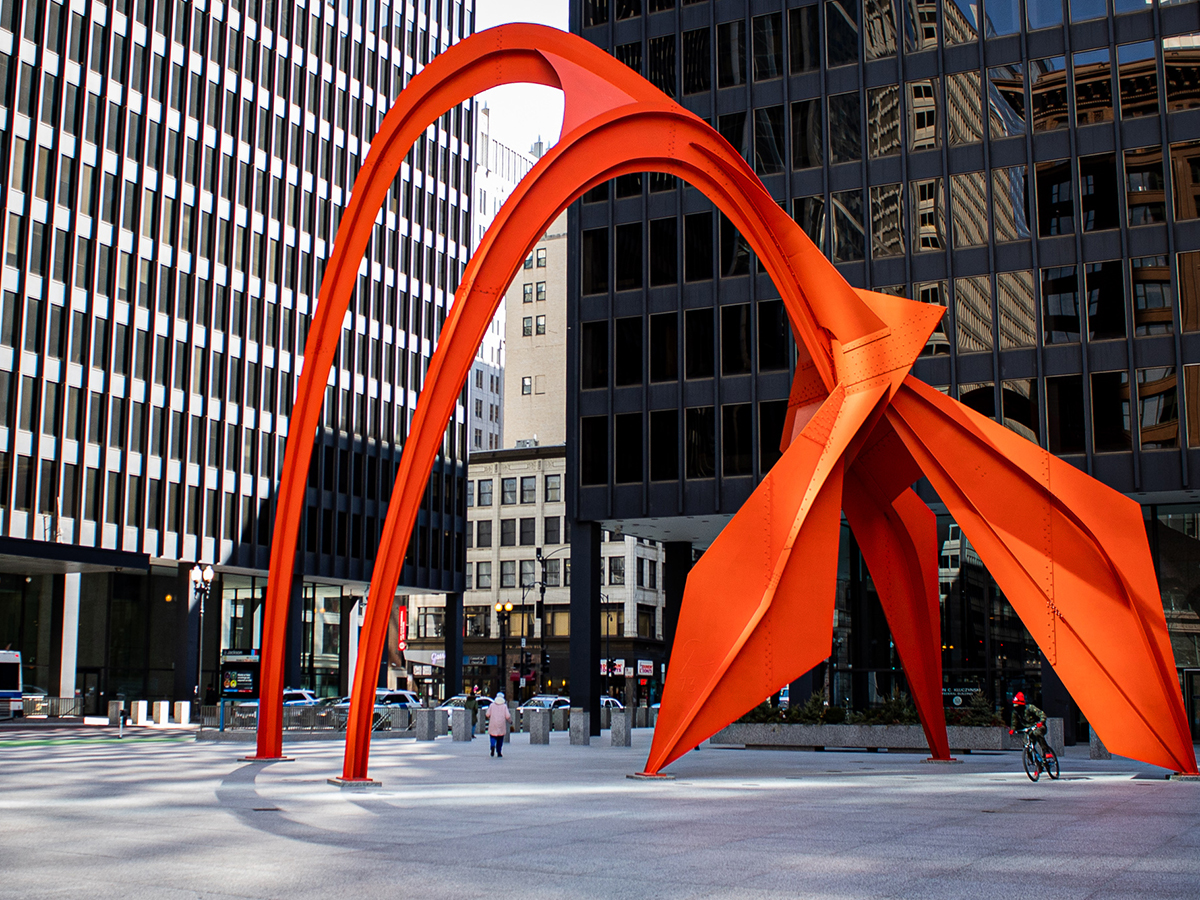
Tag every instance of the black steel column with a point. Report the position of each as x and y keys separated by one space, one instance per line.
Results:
x=293 y=665
x=585 y=619
x=453 y=631
x=1056 y=701
x=677 y=563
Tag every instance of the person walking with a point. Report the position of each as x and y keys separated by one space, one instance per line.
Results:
x=472 y=705
x=498 y=718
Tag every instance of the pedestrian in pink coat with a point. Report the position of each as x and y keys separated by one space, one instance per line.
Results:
x=498 y=718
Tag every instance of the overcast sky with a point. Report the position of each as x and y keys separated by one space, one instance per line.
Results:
x=521 y=113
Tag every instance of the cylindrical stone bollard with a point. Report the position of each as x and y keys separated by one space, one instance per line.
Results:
x=442 y=719
x=425 y=724
x=115 y=709
x=139 y=713
x=1096 y=748
x=162 y=712
x=183 y=712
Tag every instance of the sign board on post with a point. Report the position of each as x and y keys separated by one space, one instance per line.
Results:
x=629 y=671
x=402 y=612
x=645 y=667
x=239 y=674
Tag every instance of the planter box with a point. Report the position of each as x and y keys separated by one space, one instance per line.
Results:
x=963 y=739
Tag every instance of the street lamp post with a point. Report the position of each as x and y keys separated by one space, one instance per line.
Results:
x=503 y=611
x=201 y=584
x=607 y=646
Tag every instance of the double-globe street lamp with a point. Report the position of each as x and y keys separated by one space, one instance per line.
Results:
x=503 y=611
x=202 y=579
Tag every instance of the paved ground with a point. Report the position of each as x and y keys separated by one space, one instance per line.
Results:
x=83 y=815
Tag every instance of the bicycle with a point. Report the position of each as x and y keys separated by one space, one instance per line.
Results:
x=1034 y=760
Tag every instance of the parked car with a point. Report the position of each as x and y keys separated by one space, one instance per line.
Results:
x=32 y=692
x=459 y=700
x=607 y=702
x=547 y=701
x=384 y=697
x=300 y=697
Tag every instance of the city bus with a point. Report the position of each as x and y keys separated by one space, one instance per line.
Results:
x=10 y=684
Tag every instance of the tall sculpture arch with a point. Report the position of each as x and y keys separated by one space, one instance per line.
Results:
x=860 y=431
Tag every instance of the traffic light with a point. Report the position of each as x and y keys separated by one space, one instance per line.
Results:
x=545 y=662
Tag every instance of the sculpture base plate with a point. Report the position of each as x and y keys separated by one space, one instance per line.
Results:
x=650 y=776
x=266 y=759
x=1179 y=776
x=354 y=783
x=945 y=762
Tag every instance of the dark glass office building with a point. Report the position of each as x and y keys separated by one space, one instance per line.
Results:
x=1034 y=167
x=171 y=178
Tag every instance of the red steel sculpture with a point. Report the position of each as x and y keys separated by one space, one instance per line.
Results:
x=1069 y=553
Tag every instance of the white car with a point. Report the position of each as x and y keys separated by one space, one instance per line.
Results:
x=300 y=697
x=607 y=702
x=547 y=701
x=384 y=697
x=458 y=701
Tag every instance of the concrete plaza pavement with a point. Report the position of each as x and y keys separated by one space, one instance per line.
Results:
x=158 y=815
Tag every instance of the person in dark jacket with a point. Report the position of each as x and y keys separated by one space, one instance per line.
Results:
x=1026 y=715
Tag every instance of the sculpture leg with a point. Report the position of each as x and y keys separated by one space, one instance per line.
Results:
x=898 y=539
x=1071 y=556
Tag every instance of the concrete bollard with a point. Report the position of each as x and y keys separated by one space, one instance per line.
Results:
x=620 y=734
x=162 y=712
x=399 y=718
x=559 y=719
x=442 y=720
x=460 y=724
x=115 y=708
x=481 y=720
x=1096 y=748
x=652 y=717
x=138 y=712
x=425 y=724
x=606 y=717
x=539 y=725
x=183 y=712
x=581 y=727
x=639 y=716
x=1054 y=735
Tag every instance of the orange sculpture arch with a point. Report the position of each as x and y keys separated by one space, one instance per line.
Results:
x=758 y=612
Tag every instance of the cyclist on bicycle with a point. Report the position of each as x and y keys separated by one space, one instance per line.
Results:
x=1026 y=715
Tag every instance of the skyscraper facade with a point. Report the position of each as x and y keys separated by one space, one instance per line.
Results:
x=172 y=179
x=1029 y=166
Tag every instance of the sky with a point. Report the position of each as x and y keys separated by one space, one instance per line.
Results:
x=520 y=113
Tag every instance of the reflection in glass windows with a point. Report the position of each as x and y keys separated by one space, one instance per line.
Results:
x=979 y=396
x=1181 y=65
x=1016 y=309
x=1191 y=403
x=1006 y=100
x=661 y=57
x=1048 y=93
x=1010 y=203
x=1099 y=197
x=964 y=109
x=968 y=209
x=768 y=46
x=697 y=246
x=1002 y=17
x=807 y=134
x=1150 y=277
x=1065 y=428
x=768 y=140
x=735 y=339
x=1019 y=408
x=733 y=128
x=664 y=445
x=731 y=54
x=700 y=442
x=924 y=131
x=887 y=221
x=1187 y=267
x=1185 y=179
x=630 y=54
x=774 y=336
x=1105 y=285
x=1110 y=412
x=1055 y=203
x=973 y=314
x=697 y=61
x=848 y=236
x=736 y=440
x=1145 y=189
x=934 y=292
x=804 y=40
x=735 y=252
x=841 y=33
x=809 y=213
x=1137 y=76
x=1060 y=305
x=961 y=25
x=879 y=29
x=1158 y=408
x=929 y=215
x=883 y=121
x=1093 y=87
x=1044 y=14
x=845 y=132
x=920 y=24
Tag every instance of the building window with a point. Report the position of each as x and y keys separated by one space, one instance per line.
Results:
x=616 y=570
x=641 y=572
x=527 y=293
x=508 y=491
x=527 y=326
x=527 y=385
x=483 y=533
x=430 y=622
x=527 y=573
x=470 y=493
x=553 y=488
x=541 y=262
x=553 y=572
x=551 y=533
x=508 y=573
x=528 y=532
x=540 y=327
x=594 y=261
x=529 y=489
x=483 y=576
x=528 y=262
x=476 y=619
x=731 y=54
x=508 y=532
x=652 y=579
x=485 y=492
x=541 y=291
